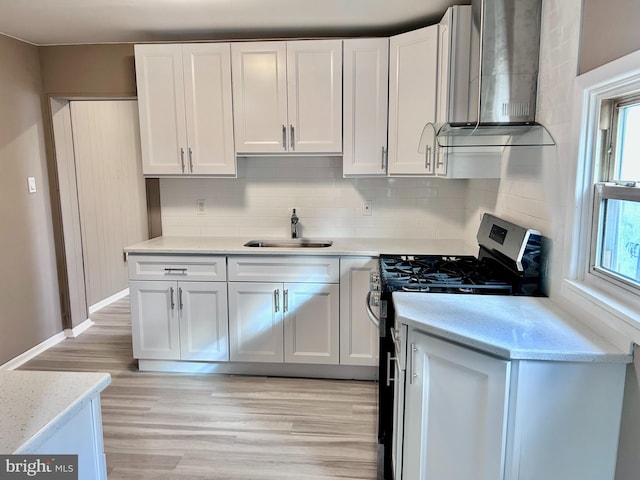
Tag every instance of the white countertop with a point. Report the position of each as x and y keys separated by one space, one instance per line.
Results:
x=511 y=327
x=341 y=247
x=34 y=405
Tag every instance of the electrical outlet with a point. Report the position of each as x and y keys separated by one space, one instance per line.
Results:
x=366 y=209
x=201 y=207
x=31 y=182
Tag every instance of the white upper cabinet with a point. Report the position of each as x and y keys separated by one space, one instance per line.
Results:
x=365 y=112
x=413 y=58
x=288 y=96
x=185 y=108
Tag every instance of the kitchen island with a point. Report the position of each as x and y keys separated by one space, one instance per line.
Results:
x=504 y=387
x=54 y=413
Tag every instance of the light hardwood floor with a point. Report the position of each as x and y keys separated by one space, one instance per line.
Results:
x=179 y=427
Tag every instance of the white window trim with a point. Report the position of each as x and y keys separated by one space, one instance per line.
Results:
x=616 y=307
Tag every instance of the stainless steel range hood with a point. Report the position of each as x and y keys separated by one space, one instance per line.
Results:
x=501 y=104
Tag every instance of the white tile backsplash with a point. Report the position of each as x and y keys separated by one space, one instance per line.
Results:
x=260 y=200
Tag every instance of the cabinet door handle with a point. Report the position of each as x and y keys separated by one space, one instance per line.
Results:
x=284 y=137
x=276 y=299
x=412 y=374
x=173 y=305
x=285 y=301
x=175 y=271
x=182 y=158
x=180 y=298
x=384 y=158
x=190 y=160
x=389 y=359
x=293 y=137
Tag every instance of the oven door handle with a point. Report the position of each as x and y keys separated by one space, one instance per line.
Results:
x=372 y=316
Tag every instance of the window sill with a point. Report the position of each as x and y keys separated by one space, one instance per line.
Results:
x=623 y=315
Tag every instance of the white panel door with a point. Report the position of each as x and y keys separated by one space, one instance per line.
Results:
x=359 y=338
x=255 y=322
x=154 y=321
x=412 y=99
x=209 y=115
x=365 y=112
x=163 y=130
x=455 y=412
x=204 y=333
x=314 y=84
x=311 y=324
x=260 y=96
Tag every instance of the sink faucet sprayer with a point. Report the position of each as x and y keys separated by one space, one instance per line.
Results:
x=294 y=224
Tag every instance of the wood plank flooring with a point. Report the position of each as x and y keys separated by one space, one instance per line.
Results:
x=196 y=427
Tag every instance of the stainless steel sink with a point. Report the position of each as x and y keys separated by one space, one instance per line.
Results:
x=290 y=243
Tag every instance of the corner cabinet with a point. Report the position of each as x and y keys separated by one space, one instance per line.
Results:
x=472 y=415
x=287 y=97
x=413 y=59
x=185 y=109
x=284 y=309
x=359 y=338
x=365 y=111
x=175 y=314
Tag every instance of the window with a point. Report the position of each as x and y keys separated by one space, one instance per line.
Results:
x=615 y=251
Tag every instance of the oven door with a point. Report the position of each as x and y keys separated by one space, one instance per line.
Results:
x=399 y=341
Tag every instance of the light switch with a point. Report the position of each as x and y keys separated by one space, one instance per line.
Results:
x=31 y=181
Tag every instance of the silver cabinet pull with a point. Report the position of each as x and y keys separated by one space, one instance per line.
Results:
x=284 y=137
x=276 y=299
x=286 y=300
x=182 y=158
x=412 y=374
x=190 y=160
x=173 y=305
x=293 y=137
x=389 y=359
x=180 y=298
x=175 y=271
x=427 y=159
x=384 y=158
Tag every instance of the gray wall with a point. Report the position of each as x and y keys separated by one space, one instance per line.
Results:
x=29 y=287
x=609 y=31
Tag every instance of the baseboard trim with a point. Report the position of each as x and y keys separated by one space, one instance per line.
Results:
x=344 y=372
x=109 y=300
x=78 y=329
x=33 y=352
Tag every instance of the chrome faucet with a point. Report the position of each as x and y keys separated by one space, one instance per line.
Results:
x=294 y=224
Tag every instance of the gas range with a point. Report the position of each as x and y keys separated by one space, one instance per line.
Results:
x=509 y=262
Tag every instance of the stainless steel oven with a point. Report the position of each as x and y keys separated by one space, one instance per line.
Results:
x=509 y=262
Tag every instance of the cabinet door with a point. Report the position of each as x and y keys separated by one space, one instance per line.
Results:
x=365 y=112
x=204 y=333
x=314 y=85
x=260 y=96
x=311 y=325
x=209 y=116
x=455 y=412
x=255 y=322
x=412 y=99
x=154 y=323
x=358 y=336
x=163 y=131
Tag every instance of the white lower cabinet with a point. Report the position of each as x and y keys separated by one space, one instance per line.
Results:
x=471 y=415
x=271 y=320
x=359 y=338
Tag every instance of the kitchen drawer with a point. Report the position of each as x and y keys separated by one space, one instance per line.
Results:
x=177 y=267
x=252 y=268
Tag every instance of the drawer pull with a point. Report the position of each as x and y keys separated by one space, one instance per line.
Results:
x=175 y=271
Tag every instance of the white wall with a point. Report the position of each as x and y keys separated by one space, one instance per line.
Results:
x=258 y=203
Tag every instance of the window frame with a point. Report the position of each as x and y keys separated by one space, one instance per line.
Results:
x=609 y=302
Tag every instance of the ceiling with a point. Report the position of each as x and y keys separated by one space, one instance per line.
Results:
x=55 y=22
